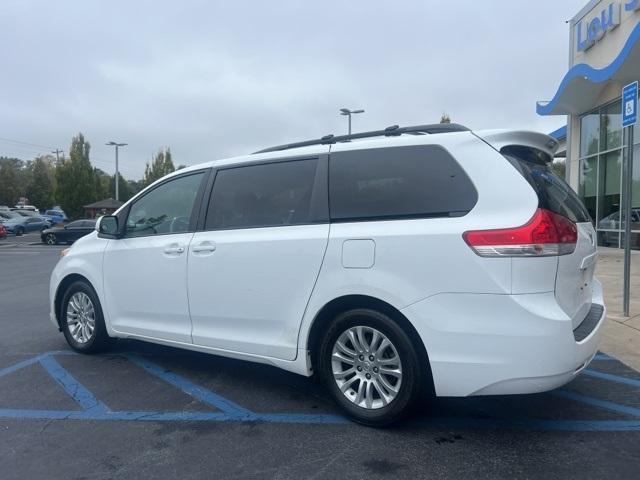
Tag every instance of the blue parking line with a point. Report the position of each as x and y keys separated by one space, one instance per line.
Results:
x=232 y=412
x=301 y=418
x=596 y=402
x=611 y=377
x=202 y=394
x=73 y=387
x=551 y=425
x=458 y=423
x=19 y=365
x=603 y=356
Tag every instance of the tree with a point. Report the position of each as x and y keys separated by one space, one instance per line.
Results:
x=560 y=167
x=103 y=183
x=125 y=191
x=445 y=118
x=76 y=179
x=161 y=165
x=41 y=188
x=11 y=187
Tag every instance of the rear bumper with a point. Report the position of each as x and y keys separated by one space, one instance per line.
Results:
x=503 y=344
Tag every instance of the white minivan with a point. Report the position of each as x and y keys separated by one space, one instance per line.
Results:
x=388 y=263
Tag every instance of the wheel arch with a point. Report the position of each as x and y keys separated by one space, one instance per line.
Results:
x=348 y=302
x=62 y=288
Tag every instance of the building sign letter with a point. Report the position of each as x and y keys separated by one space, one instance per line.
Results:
x=588 y=33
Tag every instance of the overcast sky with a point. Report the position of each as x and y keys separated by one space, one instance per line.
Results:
x=213 y=79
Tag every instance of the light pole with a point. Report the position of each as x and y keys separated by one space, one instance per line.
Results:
x=348 y=113
x=117 y=145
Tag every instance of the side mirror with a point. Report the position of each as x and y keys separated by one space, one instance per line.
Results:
x=107 y=226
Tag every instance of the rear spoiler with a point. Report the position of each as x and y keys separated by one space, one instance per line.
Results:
x=502 y=140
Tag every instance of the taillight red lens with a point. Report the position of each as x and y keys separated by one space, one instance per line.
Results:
x=547 y=233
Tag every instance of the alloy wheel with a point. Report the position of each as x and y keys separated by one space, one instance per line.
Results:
x=81 y=317
x=366 y=367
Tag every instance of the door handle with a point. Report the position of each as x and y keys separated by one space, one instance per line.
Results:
x=174 y=249
x=204 y=247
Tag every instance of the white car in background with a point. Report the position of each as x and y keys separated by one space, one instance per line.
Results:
x=388 y=263
x=30 y=208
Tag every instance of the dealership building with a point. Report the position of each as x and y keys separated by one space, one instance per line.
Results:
x=604 y=55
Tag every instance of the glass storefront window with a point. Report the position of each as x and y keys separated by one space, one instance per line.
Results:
x=611 y=122
x=635 y=183
x=588 y=182
x=589 y=134
x=602 y=143
x=609 y=182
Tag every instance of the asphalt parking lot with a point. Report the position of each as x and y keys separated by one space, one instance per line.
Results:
x=143 y=411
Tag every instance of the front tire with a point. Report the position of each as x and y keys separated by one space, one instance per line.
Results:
x=19 y=231
x=50 y=239
x=82 y=321
x=370 y=367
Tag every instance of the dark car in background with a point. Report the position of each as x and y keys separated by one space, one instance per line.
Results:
x=68 y=233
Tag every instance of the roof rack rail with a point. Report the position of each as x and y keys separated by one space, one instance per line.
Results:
x=392 y=131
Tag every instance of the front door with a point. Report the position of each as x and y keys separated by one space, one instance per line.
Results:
x=145 y=272
x=253 y=269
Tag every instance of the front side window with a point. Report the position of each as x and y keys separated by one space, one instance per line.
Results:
x=265 y=195
x=165 y=209
x=398 y=182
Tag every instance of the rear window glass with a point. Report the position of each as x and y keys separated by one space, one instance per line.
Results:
x=554 y=194
x=398 y=182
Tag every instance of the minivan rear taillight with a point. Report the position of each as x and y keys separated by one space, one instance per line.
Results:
x=546 y=234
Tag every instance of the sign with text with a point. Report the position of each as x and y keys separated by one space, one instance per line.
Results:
x=595 y=25
x=630 y=104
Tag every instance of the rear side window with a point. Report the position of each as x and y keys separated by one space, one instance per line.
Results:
x=398 y=182
x=554 y=194
x=265 y=195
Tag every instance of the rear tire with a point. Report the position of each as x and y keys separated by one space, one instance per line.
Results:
x=370 y=367
x=82 y=321
x=50 y=239
x=19 y=231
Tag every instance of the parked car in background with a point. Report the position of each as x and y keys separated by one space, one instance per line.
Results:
x=3 y=231
x=20 y=225
x=610 y=227
x=7 y=214
x=55 y=216
x=32 y=214
x=26 y=207
x=25 y=212
x=68 y=233
x=3 y=208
